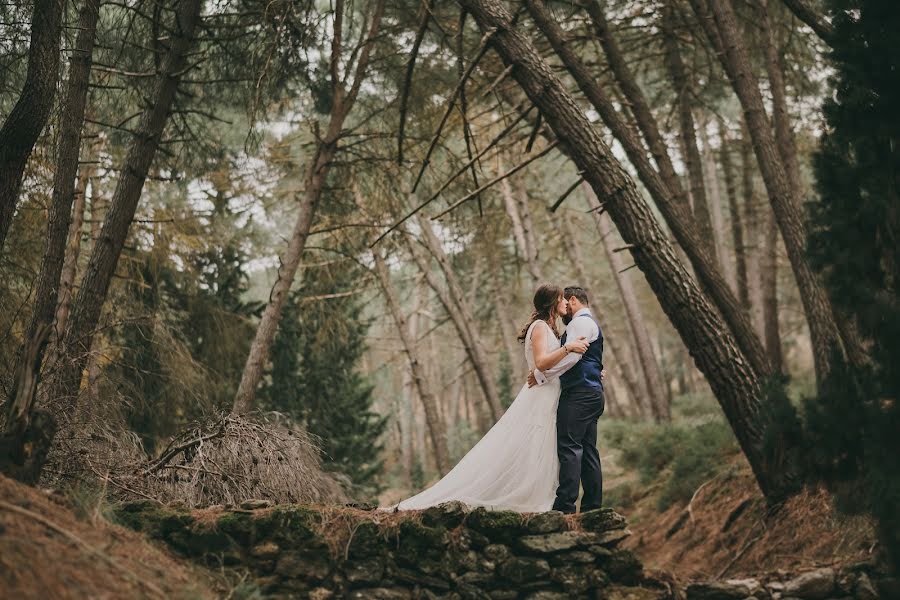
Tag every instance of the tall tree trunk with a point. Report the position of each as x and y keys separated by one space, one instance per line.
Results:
x=734 y=381
x=316 y=175
x=737 y=228
x=461 y=313
x=656 y=392
x=683 y=85
x=752 y=245
x=423 y=389
x=25 y=122
x=101 y=266
x=612 y=344
x=714 y=196
x=528 y=226
x=768 y=283
x=67 y=155
x=786 y=206
x=676 y=213
x=512 y=209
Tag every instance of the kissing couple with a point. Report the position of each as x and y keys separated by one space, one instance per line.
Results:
x=535 y=456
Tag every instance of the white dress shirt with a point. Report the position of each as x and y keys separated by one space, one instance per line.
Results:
x=576 y=328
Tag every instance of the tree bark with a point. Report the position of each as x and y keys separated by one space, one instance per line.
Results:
x=815 y=21
x=656 y=393
x=733 y=380
x=316 y=175
x=676 y=213
x=67 y=155
x=101 y=266
x=423 y=389
x=786 y=206
x=25 y=122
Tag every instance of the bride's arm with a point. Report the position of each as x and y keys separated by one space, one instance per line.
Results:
x=543 y=360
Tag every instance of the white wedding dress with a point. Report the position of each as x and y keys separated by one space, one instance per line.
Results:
x=514 y=466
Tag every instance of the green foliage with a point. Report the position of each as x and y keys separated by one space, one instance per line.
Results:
x=314 y=377
x=854 y=421
x=677 y=457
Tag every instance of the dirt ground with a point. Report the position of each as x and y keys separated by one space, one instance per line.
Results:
x=727 y=531
x=46 y=551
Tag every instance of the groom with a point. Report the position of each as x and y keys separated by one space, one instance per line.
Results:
x=581 y=403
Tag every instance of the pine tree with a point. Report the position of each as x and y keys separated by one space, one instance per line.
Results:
x=854 y=423
x=314 y=377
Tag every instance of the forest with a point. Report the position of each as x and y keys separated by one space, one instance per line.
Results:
x=281 y=252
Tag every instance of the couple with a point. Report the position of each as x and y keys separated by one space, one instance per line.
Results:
x=534 y=457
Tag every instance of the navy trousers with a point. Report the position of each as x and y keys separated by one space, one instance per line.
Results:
x=576 y=445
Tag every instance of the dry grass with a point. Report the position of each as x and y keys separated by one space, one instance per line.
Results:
x=727 y=530
x=47 y=552
x=224 y=460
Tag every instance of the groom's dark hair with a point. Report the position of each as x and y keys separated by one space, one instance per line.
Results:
x=578 y=292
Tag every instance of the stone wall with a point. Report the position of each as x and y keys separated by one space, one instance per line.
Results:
x=444 y=552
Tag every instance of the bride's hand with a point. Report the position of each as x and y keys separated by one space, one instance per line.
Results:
x=580 y=345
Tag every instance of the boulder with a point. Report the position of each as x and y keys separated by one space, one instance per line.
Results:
x=814 y=585
x=497 y=553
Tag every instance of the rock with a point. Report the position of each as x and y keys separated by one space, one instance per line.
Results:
x=520 y=570
x=600 y=520
x=864 y=590
x=814 y=585
x=476 y=579
x=613 y=537
x=621 y=592
x=256 y=504
x=380 y=594
x=321 y=594
x=575 y=580
x=548 y=595
x=503 y=595
x=292 y=564
x=546 y=522
x=265 y=550
x=364 y=571
x=557 y=542
x=577 y=557
x=717 y=590
x=449 y=515
x=497 y=553
x=500 y=526
x=753 y=586
x=469 y=538
x=622 y=566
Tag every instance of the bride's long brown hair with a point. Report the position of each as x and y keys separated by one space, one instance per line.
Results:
x=546 y=297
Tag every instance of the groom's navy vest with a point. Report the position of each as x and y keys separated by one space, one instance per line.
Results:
x=586 y=372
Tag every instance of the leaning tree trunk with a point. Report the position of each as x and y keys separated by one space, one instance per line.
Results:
x=101 y=266
x=676 y=212
x=420 y=381
x=464 y=318
x=612 y=344
x=786 y=206
x=684 y=94
x=64 y=193
x=734 y=381
x=314 y=182
x=737 y=228
x=25 y=122
x=657 y=396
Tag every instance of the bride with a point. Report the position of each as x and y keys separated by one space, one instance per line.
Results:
x=514 y=466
